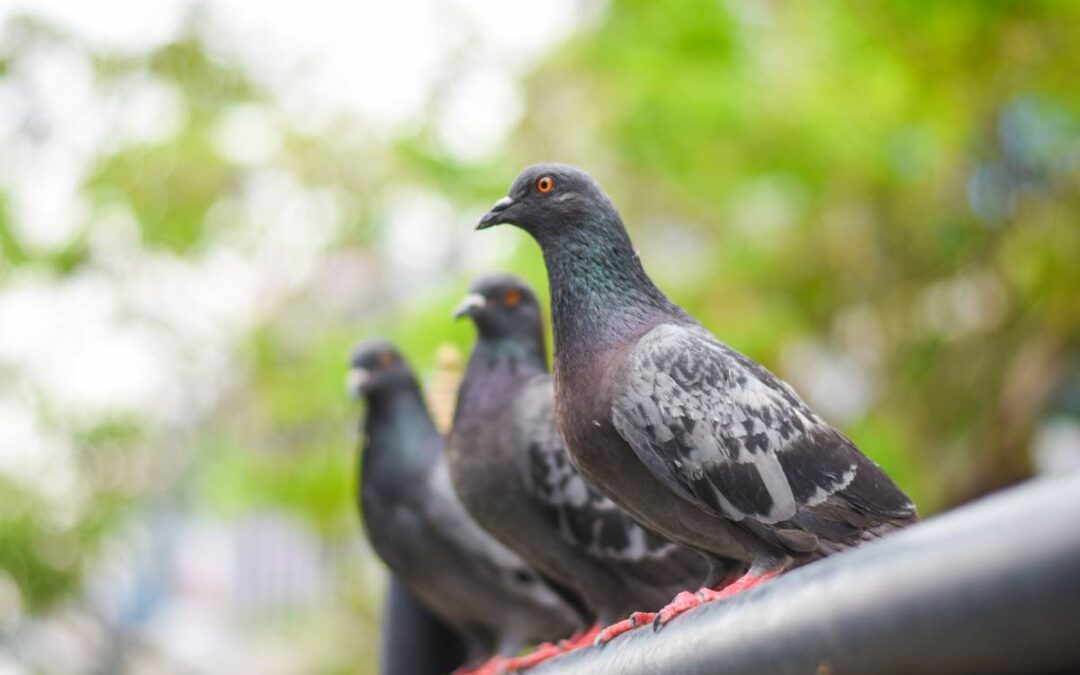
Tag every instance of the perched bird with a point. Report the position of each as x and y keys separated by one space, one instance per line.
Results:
x=696 y=441
x=511 y=469
x=419 y=528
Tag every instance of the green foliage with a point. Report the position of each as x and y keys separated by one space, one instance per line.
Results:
x=41 y=562
x=314 y=482
x=209 y=85
x=170 y=186
x=44 y=557
x=170 y=205
x=11 y=252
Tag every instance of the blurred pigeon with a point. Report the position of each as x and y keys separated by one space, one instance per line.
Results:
x=421 y=531
x=513 y=473
x=696 y=441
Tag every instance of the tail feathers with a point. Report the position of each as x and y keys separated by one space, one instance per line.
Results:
x=830 y=546
x=838 y=526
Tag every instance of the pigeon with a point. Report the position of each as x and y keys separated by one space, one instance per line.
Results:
x=419 y=528
x=696 y=441
x=512 y=472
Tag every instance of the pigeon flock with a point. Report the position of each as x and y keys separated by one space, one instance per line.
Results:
x=656 y=470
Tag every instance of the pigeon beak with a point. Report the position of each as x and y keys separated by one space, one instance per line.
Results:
x=469 y=305
x=496 y=216
x=355 y=381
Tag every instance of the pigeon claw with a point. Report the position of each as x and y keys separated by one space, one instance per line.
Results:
x=635 y=620
x=683 y=602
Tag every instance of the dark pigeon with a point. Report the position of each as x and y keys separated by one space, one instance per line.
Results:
x=513 y=473
x=696 y=441
x=419 y=528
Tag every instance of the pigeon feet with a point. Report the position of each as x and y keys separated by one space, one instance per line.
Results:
x=546 y=651
x=746 y=581
x=635 y=620
x=684 y=601
x=580 y=639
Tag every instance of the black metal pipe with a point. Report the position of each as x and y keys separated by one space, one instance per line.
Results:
x=414 y=641
x=991 y=587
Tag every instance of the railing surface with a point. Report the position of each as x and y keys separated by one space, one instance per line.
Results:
x=991 y=587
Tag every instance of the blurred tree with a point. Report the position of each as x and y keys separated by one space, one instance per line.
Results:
x=282 y=441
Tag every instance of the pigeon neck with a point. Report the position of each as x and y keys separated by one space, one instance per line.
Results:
x=601 y=296
x=401 y=436
x=497 y=367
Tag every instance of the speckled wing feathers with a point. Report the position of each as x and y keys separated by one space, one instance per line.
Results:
x=724 y=433
x=585 y=518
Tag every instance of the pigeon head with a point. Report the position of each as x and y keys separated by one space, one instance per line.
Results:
x=600 y=292
x=554 y=202
x=503 y=307
x=376 y=366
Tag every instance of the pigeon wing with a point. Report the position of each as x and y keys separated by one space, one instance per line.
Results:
x=726 y=434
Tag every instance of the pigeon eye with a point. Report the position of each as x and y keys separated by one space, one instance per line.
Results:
x=512 y=297
x=545 y=184
x=386 y=359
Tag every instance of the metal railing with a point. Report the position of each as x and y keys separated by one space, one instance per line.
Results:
x=991 y=587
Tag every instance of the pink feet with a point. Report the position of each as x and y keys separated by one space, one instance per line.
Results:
x=548 y=650
x=581 y=639
x=684 y=601
x=745 y=582
x=636 y=620
x=537 y=656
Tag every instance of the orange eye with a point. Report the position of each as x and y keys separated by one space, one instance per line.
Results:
x=544 y=184
x=386 y=359
x=512 y=297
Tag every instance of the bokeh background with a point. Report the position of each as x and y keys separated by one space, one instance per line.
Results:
x=203 y=206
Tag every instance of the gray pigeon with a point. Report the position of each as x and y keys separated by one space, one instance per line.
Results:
x=419 y=528
x=695 y=440
x=513 y=474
